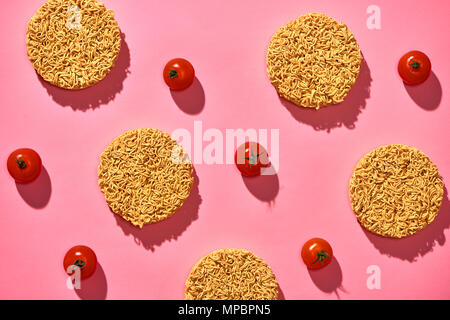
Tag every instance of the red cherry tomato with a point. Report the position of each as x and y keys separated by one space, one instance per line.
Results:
x=414 y=67
x=24 y=165
x=178 y=74
x=317 y=253
x=250 y=157
x=83 y=257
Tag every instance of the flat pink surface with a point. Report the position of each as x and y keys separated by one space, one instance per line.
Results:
x=226 y=42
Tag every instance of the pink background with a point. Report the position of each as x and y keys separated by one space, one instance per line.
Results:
x=273 y=216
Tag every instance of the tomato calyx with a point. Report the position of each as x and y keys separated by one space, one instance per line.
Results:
x=173 y=73
x=80 y=264
x=253 y=159
x=414 y=65
x=20 y=163
x=321 y=256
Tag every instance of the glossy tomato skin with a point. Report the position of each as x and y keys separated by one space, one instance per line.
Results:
x=250 y=158
x=87 y=257
x=315 y=248
x=178 y=74
x=414 y=67
x=24 y=165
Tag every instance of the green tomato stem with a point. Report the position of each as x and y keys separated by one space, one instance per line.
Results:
x=173 y=73
x=253 y=159
x=415 y=65
x=321 y=256
x=80 y=264
x=20 y=163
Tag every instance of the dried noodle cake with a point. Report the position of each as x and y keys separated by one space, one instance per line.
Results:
x=231 y=274
x=145 y=176
x=395 y=191
x=313 y=61
x=73 y=44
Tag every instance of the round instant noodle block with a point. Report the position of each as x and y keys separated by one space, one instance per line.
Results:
x=145 y=176
x=395 y=191
x=231 y=274
x=313 y=61
x=73 y=44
